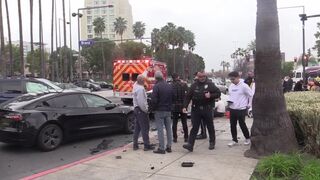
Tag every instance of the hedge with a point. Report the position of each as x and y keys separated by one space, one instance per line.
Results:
x=304 y=111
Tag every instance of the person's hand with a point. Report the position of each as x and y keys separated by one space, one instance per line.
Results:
x=207 y=95
x=184 y=110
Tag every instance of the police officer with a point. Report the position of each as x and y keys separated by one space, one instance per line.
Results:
x=203 y=94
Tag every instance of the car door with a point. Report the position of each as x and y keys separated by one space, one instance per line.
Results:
x=105 y=119
x=72 y=113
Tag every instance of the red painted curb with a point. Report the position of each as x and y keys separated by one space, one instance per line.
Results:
x=59 y=168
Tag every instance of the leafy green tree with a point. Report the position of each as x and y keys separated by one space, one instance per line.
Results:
x=120 y=26
x=36 y=54
x=272 y=130
x=56 y=56
x=99 y=28
x=132 y=50
x=287 y=68
x=93 y=56
x=317 y=35
x=139 y=30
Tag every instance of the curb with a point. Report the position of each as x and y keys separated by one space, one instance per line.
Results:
x=60 y=168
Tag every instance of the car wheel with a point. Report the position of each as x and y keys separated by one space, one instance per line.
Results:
x=129 y=124
x=50 y=137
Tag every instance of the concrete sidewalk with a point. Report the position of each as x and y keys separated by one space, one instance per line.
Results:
x=218 y=164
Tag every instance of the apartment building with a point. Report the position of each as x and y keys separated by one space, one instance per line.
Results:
x=121 y=8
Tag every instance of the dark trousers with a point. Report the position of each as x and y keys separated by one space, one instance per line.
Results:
x=206 y=116
x=235 y=116
x=141 y=125
x=183 y=117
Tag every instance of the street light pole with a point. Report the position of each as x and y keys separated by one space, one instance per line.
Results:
x=304 y=17
x=79 y=16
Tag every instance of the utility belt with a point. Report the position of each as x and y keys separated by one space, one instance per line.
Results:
x=201 y=107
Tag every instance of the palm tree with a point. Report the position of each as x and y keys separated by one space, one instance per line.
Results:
x=9 y=38
x=120 y=25
x=272 y=130
x=2 y=59
x=139 y=30
x=99 y=28
x=21 y=39
x=65 y=61
x=52 y=20
x=31 y=37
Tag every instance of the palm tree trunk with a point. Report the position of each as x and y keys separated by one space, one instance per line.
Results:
x=56 y=55
x=42 y=65
x=174 y=59
x=2 y=59
x=9 y=38
x=31 y=38
x=65 y=59
x=21 y=39
x=104 y=60
x=272 y=130
x=52 y=59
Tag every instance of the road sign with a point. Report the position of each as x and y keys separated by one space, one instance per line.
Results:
x=89 y=42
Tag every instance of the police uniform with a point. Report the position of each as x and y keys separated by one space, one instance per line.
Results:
x=201 y=110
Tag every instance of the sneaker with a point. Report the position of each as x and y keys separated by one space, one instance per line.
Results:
x=247 y=142
x=159 y=151
x=188 y=147
x=148 y=148
x=168 y=149
x=211 y=146
x=233 y=143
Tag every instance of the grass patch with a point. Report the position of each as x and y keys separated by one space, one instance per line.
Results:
x=287 y=167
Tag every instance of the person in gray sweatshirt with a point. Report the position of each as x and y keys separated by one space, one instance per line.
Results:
x=140 y=105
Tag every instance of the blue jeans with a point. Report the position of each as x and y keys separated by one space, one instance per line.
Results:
x=141 y=125
x=163 y=118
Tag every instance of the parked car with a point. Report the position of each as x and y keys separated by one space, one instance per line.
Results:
x=48 y=119
x=104 y=84
x=71 y=86
x=89 y=85
x=13 y=87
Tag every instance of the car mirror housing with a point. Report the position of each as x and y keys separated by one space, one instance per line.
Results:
x=110 y=106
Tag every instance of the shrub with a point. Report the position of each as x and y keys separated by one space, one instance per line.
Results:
x=279 y=166
x=304 y=111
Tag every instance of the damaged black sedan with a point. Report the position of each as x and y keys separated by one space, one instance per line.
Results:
x=47 y=120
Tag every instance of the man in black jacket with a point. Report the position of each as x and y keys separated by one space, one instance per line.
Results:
x=161 y=100
x=180 y=90
x=203 y=94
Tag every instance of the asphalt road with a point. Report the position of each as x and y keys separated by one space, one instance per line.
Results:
x=17 y=162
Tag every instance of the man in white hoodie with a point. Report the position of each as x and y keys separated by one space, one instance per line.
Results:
x=240 y=95
x=140 y=105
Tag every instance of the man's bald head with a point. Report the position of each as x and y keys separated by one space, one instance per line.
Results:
x=140 y=79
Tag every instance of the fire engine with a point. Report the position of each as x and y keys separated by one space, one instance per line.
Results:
x=125 y=73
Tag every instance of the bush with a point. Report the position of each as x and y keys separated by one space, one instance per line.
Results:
x=287 y=167
x=279 y=166
x=304 y=111
x=311 y=171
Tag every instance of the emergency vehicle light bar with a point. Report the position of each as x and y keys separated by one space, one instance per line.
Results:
x=131 y=61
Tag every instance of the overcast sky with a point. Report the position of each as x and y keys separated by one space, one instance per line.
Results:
x=220 y=26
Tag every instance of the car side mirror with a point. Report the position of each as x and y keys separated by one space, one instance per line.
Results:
x=110 y=106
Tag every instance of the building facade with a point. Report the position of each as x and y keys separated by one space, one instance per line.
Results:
x=121 y=8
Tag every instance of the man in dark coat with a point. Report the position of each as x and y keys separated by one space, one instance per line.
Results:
x=179 y=90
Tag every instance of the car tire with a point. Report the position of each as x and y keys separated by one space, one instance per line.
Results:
x=129 y=123
x=50 y=137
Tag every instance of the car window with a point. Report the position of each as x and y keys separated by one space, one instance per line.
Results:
x=10 y=86
x=33 y=87
x=95 y=101
x=66 y=101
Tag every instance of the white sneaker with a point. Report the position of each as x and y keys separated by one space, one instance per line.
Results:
x=247 y=142
x=233 y=143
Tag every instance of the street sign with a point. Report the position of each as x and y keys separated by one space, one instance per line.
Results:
x=85 y=43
